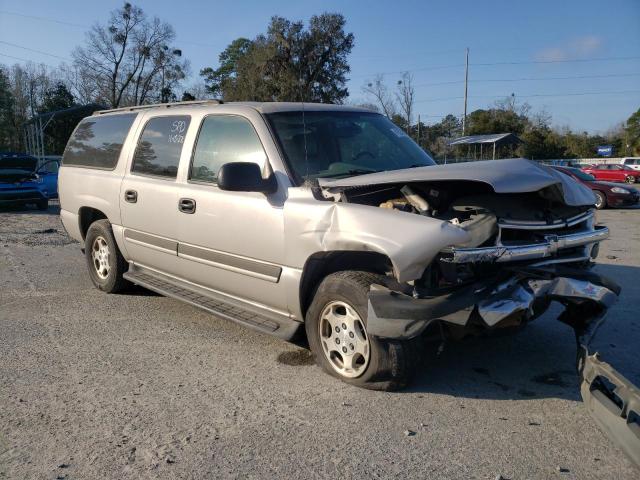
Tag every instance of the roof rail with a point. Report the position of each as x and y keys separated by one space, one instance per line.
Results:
x=166 y=105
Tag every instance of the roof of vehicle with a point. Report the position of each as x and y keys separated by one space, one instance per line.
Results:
x=262 y=107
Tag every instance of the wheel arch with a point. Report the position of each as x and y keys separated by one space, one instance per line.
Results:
x=88 y=215
x=321 y=264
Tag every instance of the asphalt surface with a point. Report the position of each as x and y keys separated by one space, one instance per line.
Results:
x=142 y=386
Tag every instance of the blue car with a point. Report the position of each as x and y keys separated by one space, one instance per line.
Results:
x=22 y=182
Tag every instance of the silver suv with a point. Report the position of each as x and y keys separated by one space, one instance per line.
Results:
x=278 y=215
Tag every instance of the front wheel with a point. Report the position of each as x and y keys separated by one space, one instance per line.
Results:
x=630 y=179
x=336 y=327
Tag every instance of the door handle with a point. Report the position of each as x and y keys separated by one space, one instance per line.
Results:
x=187 y=205
x=131 y=196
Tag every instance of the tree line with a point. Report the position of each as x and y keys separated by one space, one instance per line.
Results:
x=131 y=59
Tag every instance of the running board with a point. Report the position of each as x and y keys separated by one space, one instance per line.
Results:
x=250 y=316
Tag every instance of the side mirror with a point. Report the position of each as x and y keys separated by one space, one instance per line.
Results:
x=244 y=177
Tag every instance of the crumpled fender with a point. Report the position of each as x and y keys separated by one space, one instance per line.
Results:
x=410 y=241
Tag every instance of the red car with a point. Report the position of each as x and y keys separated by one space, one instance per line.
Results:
x=613 y=173
x=607 y=194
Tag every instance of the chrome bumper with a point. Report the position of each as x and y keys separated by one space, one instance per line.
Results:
x=551 y=245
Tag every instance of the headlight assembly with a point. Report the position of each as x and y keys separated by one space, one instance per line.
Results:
x=620 y=190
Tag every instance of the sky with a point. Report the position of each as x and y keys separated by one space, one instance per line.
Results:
x=579 y=60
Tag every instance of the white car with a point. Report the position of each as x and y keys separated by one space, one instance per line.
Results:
x=631 y=162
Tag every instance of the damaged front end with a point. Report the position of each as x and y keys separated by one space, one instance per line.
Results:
x=529 y=242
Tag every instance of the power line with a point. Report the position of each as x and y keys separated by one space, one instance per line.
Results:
x=533 y=95
x=53 y=20
x=569 y=77
x=576 y=60
x=44 y=19
x=531 y=62
x=26 y=60
x=36 y=51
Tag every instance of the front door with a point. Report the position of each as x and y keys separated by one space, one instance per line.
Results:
x=232 y=242
x=149 y=194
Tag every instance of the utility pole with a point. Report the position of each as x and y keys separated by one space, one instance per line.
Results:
x=418 y=129
x=466 y=83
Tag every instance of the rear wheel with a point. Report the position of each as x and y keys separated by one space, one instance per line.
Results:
x=336 y=327
x=601 y=201
x=104 y=260
x=630 y=179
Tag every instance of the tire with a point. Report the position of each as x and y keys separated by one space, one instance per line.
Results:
x=42 y=205
x=630 y=179
x=388 y=365
x=601 y=200
x=105 y=262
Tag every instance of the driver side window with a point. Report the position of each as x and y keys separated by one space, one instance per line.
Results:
x=224 y=139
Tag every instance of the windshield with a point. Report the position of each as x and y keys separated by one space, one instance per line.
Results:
x=576 y=172
x=342 y=144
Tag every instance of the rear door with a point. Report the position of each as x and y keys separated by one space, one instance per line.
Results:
x=149 y=193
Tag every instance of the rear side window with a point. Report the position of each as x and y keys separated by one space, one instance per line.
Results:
x=160 y=145
x=224 y=139
x=97 y=141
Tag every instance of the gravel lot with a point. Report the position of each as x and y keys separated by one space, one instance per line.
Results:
x=142 y=386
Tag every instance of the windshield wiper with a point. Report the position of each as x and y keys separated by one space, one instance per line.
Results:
x=349 y=173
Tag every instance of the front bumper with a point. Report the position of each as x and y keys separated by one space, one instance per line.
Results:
x=20 y=195
x=620 y=200
x=523 y=293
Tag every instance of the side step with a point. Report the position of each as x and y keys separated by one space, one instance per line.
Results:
x=228 y=308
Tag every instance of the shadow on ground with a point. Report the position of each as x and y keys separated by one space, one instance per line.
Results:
x=54 y=209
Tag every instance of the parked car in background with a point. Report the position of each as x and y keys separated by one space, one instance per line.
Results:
x=613 y=172
x=631 y=162
x=607 y=194
x=22 y=182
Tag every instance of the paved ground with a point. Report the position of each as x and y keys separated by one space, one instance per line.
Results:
x=141 y=386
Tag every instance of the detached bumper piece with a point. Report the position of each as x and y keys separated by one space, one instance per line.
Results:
x=614 y=403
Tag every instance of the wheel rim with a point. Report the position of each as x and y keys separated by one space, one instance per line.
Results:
x=100 y=256
x=344 y=339
x=599 y=200
x=630 y=179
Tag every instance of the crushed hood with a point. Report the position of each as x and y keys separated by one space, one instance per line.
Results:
x=516 y=175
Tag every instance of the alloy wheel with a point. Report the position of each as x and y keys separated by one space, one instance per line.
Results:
x=100 y=256
x=344 y=339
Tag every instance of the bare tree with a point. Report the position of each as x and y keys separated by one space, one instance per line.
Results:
x=405 y=96
x=80 y=82
x=379 y=91
x=129 y=60
x=511 y=104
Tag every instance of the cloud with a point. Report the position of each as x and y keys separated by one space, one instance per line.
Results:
x=575 y=48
